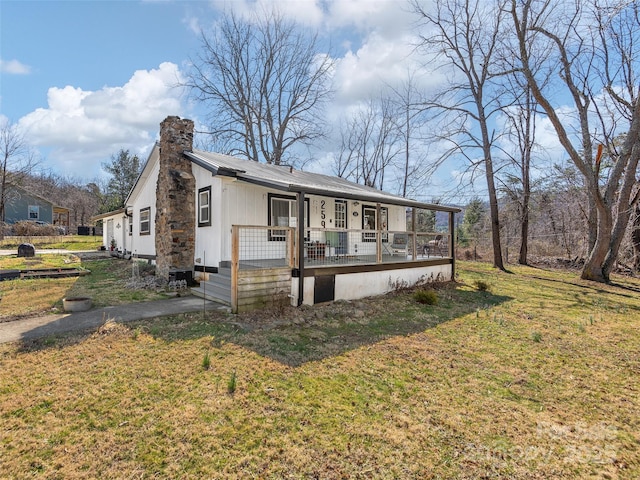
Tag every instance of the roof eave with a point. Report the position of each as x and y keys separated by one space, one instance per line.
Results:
x=296 y=188
x=108 y=214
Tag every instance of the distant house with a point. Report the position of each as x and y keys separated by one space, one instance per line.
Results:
x=21 y=205
x=255 y=234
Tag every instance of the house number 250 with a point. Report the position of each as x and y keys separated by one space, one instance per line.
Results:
x=323 y=213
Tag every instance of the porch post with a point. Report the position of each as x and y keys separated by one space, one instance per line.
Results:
x=379 y=233
x=452 y=245
x=235 y=266
x=301 y=226
x=414 y=229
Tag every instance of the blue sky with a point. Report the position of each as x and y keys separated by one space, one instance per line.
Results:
x=85 y=78
x=57 y=53
x=86 y=44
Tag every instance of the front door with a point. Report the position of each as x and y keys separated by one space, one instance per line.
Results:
x=341 y=222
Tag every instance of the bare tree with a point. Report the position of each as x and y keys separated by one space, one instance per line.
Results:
x=595 y=52
x=521 y=131
x=82 y=200
x=466 y=34
x=16 y=162
x=522 y=114
x=265 y=82
x=410 y=120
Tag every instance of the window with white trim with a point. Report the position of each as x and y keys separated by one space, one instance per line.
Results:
x=283 y=212
x=204 y=207
x=341 y=213
x=34 y=212
x=145 y=221
x=370 y=222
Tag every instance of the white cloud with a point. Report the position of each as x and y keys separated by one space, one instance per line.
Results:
x=377 y=63
x=193 y=24
x=390 y=19
x=84 y=128
x=14 y=67
x=306 y=12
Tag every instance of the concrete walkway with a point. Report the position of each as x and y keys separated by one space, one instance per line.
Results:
x=37 y=327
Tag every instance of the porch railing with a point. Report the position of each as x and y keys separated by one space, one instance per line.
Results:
x=273 y=247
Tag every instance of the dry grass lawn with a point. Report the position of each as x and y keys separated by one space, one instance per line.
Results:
x=107 y=284
x=538 y=377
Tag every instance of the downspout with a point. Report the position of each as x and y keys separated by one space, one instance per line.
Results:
x=301 y=227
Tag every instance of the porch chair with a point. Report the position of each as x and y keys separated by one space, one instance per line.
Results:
x=400 y=244
x=333 y=243
x=433 y=246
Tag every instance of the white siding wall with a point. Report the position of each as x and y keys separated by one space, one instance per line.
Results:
x=110 y=230
x=238 y=203
x=246 y=204
x=144 y=196
x=209 y=238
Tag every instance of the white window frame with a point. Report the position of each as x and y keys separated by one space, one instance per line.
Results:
x=204 y=207
x=33 y=209
x=369 y=213
x=292 y=218
x=145 y=212
x=340 y=214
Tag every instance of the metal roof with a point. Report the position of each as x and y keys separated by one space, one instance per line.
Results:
x=286 y=178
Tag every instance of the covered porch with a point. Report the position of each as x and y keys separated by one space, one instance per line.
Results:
x=287 y=264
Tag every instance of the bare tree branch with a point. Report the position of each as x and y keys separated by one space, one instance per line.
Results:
x=265 y=82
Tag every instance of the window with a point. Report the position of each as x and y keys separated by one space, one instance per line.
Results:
x=370 y=222
x=341 y=214
x=204 y=207
x=34 y=212
x=145 y=221
x=283 y=212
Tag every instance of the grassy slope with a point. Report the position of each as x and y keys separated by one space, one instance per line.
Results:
x=537 y=378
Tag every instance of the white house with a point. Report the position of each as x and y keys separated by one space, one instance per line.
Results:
x=234 y=225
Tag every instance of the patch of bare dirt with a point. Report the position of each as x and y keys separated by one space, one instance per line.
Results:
x=358 y=311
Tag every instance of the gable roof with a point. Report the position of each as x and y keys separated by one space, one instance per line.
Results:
x=33 y=195
x=102 y=216
x=287 y=179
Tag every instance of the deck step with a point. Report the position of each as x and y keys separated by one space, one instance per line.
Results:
x=224 y=272
x=216 y=288
x=210 y=295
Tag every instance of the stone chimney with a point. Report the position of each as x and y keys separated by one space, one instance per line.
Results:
x=175 y=201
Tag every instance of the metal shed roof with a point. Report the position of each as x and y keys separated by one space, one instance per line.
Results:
x=288 y=179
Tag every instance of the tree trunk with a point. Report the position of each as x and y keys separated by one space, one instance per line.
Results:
x=524 y=234
x=635 y=238
x=495 y=220
x=524 y=225
x=594 y=267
